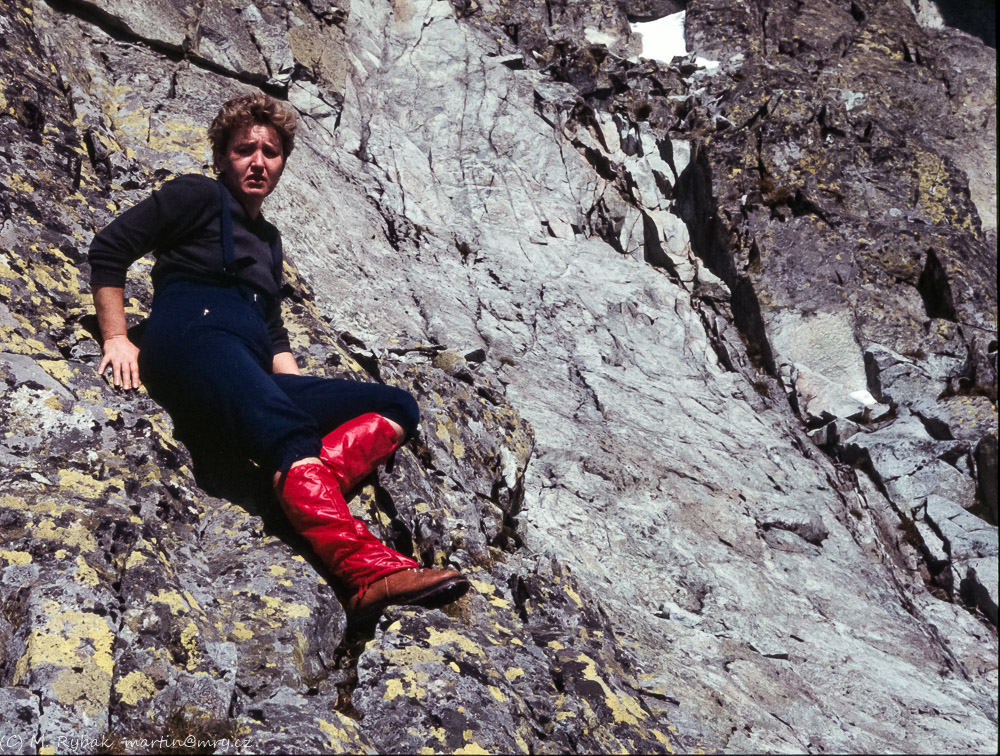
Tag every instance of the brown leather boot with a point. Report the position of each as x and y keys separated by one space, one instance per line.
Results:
x=415 y=586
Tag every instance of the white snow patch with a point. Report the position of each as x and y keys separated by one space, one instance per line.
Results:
x=599 y=36
x=864 y=397
x=663 y=39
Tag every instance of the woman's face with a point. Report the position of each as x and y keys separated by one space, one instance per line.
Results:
x=252 y=164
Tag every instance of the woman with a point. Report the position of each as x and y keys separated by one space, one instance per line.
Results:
x=215 y=353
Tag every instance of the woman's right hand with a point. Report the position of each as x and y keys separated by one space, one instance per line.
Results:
x=122 y=355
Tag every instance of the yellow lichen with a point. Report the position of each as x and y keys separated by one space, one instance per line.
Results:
x=58 y=369
x=80 y=641
x=19 y=184
x=134 y=560
x=471 y=748
x=135 y=687
x=16 y=557
x=176 y=602
x=85 y=573
x=393 y=689
x=407 y=686
x=623 y=707
x=447 y=431
x=87 y=690
x=575 y=596
x=408 y=655
x=440 y=637
x=76 y=534
x=500 y=603
x=189 y=637
x=339 y=737
x=240 y=632
x=81 y=483
x=663 y=740
x=172 y=137
x=287 y=608
x=191 y=602
x=497 y=693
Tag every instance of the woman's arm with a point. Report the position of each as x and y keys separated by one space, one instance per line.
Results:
x=284 y=362
x=173 y=210
x=119 y=352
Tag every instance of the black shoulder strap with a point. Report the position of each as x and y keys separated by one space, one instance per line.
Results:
x=228 y=251
x=276 y=257
x=226 y=224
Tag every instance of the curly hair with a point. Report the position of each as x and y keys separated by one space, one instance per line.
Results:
x=247 y=110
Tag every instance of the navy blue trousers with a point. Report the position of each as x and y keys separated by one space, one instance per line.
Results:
x=205 y=356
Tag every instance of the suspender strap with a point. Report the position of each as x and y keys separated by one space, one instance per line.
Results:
x=228 y=251
x=226 y=224
x=276 y=257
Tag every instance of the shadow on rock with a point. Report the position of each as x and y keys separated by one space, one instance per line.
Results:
x=976 y=17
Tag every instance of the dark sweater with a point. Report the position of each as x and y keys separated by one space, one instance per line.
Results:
x=180 y=225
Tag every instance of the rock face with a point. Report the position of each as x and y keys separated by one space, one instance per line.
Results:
x=706 y=355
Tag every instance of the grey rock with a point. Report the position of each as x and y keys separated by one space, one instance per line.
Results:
x=20 y=369
x=979 y=585
x=225 y=37
x=986 y=467
x=267 y=27
x=966 y=535
x=592 y=272
x=293 y=723
x=976 y=17
x=168 y=25
x=19 y=723
x=648 y=10
x=830 y=373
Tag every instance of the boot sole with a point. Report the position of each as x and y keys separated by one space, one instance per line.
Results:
x=434 y=596
x=443 y=593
